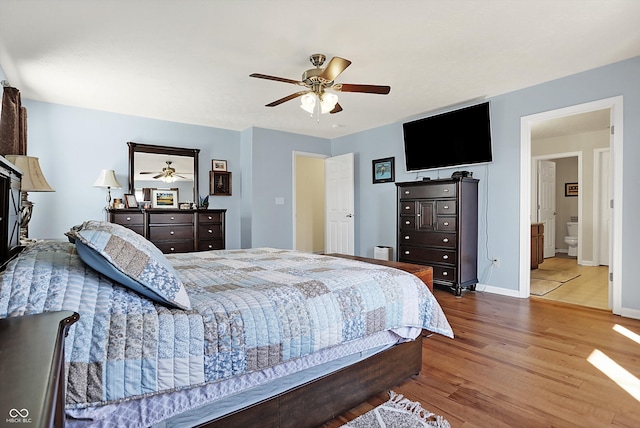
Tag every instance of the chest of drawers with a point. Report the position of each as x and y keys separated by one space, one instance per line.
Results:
x=176 y=231
x=438 y=226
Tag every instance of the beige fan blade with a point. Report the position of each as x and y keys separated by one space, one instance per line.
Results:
x=336 y=66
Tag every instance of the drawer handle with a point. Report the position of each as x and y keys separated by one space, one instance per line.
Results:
x=446 y=190
x=173 y=218
x=407 y=222
x=446 y=223
x=406 y=192
x=445 y=273
x=210 y=231
x=172 y=249
x=128 y=218
x=210 y=218
x=419 y=214
x=446 y=207
x=171 y=232
x=445 y=257
x=407 y=237
x=445 y=240
x=210 y=246
x=407 y=207
x=407 y=252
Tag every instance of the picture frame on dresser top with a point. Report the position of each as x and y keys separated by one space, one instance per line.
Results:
x=130 y=201
x=383 y=170
x=164 y=198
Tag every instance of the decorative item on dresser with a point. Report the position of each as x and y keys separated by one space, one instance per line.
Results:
x=438 y=226
x=176 y=230
x=32 y=181
x=107 y=178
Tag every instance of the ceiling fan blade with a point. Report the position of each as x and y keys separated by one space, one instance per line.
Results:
x=277 y=79
x=287 y=98
x=336 y=66
x=336 y=109
x=148 y=172
x=368 y=89
x=158 y=176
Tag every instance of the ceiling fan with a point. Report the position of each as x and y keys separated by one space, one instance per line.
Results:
x=168 y=173
x=317 y=80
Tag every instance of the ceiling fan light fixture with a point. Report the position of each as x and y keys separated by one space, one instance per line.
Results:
x=308 y=102
x=327 y=102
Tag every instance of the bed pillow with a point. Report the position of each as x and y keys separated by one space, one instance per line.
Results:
x=129 y=259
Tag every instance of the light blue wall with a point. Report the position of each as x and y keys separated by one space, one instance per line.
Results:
x=272 y=175
x=499 y=190
x=74 y=144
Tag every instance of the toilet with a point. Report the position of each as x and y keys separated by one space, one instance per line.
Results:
x=572 y=239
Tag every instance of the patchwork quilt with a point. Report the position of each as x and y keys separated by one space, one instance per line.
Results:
x=251 y=309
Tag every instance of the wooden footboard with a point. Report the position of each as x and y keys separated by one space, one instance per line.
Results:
x=316 y=402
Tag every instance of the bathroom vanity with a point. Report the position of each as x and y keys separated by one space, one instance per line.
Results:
x=537 y=244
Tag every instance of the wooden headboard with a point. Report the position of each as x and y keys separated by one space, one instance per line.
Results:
x=10 y=178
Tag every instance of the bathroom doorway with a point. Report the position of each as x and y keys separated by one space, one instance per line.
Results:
x=573 y=231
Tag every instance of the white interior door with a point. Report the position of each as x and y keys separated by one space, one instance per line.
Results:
x=340 y=220
x=604 y=228
x=547 y=204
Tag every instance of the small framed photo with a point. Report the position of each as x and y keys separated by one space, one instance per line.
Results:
x=130 y=201
x=219 y=165
x=383 y=170
x=164 y=198
x=571 y=189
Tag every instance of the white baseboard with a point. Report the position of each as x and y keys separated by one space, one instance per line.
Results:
x=498 y=290
x=630 y=313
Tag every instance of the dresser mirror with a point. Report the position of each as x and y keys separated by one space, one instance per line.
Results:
x=161 y=168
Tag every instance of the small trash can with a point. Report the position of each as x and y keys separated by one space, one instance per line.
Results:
x=381 y=252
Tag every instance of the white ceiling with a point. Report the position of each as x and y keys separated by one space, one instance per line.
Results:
x=189 y=60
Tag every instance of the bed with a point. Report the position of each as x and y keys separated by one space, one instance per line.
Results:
x=219 y=338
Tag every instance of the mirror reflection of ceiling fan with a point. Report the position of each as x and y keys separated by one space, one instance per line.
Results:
x=317 y=81
x=167 y=175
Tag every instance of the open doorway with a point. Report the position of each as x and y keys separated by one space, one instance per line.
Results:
x=528 y=201
x=309 y=202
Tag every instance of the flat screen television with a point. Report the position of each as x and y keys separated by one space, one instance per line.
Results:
x=456 y=138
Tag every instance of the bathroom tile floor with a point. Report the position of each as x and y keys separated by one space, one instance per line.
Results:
x=589 y=289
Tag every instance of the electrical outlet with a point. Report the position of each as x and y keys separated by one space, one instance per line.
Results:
x=495 y=262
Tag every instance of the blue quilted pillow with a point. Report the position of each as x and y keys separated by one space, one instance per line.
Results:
x=129 y=259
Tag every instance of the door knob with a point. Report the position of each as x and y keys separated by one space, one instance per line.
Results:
x=349 y=215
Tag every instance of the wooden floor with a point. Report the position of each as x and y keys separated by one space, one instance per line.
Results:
x=591 y=288
x=525 y=363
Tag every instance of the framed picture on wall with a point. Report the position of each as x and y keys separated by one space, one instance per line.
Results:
x=571 y=189
x=164 y=198
x=383 y=170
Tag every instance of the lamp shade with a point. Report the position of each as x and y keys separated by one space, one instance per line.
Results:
x=32 y=178
x=107 y=178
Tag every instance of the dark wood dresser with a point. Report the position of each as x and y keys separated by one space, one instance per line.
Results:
x=176 y=230
x=438 y=226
